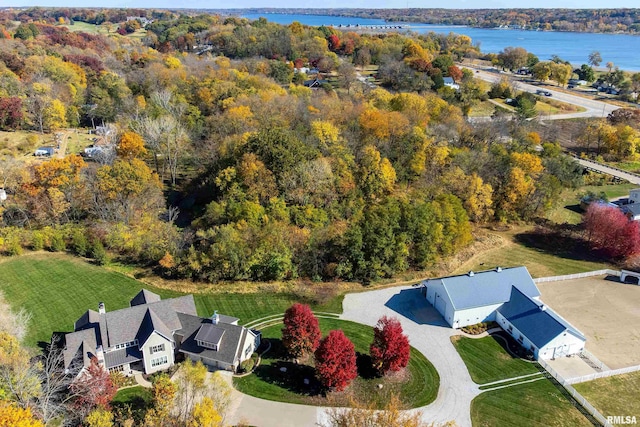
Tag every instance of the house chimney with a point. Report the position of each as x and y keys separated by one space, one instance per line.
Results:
x=471 y=274
x=215 y=318
x=498 y=269
x=101 y=308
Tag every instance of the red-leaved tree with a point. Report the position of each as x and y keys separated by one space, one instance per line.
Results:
x=93 y=388
x=301 y=333
x=610 y=231
x=336 y=361
x=390 y=347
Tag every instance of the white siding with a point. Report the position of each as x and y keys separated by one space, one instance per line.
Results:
x=438 y=298
x=564 y=344
x=156 y=339
x=471 y=316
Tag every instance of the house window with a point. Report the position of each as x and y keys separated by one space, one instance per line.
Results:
x=247 y=352
x=156 y=349
x=520 y=339
x=117 y=369
x=159 y=361
x=510 y=328
x=210 y=345
x=127 y=344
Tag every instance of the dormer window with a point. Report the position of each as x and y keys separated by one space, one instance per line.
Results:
x=133 y=343
x=209 y=336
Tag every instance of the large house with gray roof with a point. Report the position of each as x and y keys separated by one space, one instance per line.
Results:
x=149 y=335
x=509 y=297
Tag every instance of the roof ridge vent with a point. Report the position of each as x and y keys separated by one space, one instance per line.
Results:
x=471 y=273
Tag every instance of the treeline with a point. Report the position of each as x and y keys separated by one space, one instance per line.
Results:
x=223 y=168
x=577 y=20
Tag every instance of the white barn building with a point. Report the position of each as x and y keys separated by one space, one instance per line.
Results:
x=511 y=298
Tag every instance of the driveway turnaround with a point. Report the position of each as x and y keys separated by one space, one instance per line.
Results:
x=427 y=332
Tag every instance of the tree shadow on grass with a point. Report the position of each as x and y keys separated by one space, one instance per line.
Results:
x=279 y=370
x=365 y=367
x=562 y=241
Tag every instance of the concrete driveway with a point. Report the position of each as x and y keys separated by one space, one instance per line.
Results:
x=427 y=332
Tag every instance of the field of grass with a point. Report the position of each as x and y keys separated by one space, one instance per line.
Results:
x=24 y=143
x=488 y=361
x=482 y=109
x=540 y=263
x=56 y=289
x=629 y=165
x=536 y=404
x=136 y=399
x=567 y=210
x=617 y=395
x=88 y=28
x=268 y=382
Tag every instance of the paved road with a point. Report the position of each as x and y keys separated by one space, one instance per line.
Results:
x=593 y=108
x=634 y=179
x=427 y=332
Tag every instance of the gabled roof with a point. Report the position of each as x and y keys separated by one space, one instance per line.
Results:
x=226 y=353
x=144 y=297
x=150 y=323
x=121 y=326
x=485 y=288
x=89 y=319
x=539 y=323
x=81 y=346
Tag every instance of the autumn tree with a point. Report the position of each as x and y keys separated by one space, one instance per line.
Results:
x=595 y=58
x=204 y=414
x=12 y=415
x=130 y=145
x=390 y=348
x=301 y=333
x=93 y=388
x=336 y=361
x=18 y=377
x=609 y=230
x=99 y=417
x=193 y=385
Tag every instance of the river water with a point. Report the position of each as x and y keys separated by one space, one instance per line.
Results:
x=621 y=49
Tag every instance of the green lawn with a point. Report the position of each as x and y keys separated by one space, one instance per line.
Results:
x=137 y=399
x=539 y=262
x=268 y=382
x=488 y=361
x=567 y=208
x=536 y=404
x=482 y=109
x=56 y=289
x=617 y=395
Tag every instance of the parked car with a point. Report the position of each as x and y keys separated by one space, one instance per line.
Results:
x=543 y=92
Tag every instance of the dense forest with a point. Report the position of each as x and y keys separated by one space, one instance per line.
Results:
x=578 y=20
x=217 y=162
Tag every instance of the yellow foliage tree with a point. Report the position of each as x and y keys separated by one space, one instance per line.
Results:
x=14 y=416
x=131 y=145
x=205 y=415
x=99 y=417
x=55 y=115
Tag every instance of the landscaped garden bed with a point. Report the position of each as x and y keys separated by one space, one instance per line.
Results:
x=280 y=378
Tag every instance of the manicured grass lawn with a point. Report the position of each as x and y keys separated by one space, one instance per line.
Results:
x=488 y=361
x=617 y=395
x=630 y=166
x=56 y=289
x=268 y=382
x=130 y=395
x=536 y=404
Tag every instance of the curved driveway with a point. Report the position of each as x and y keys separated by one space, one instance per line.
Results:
x=427 y=332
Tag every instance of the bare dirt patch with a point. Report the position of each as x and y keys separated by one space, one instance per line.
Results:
x=606 y=311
